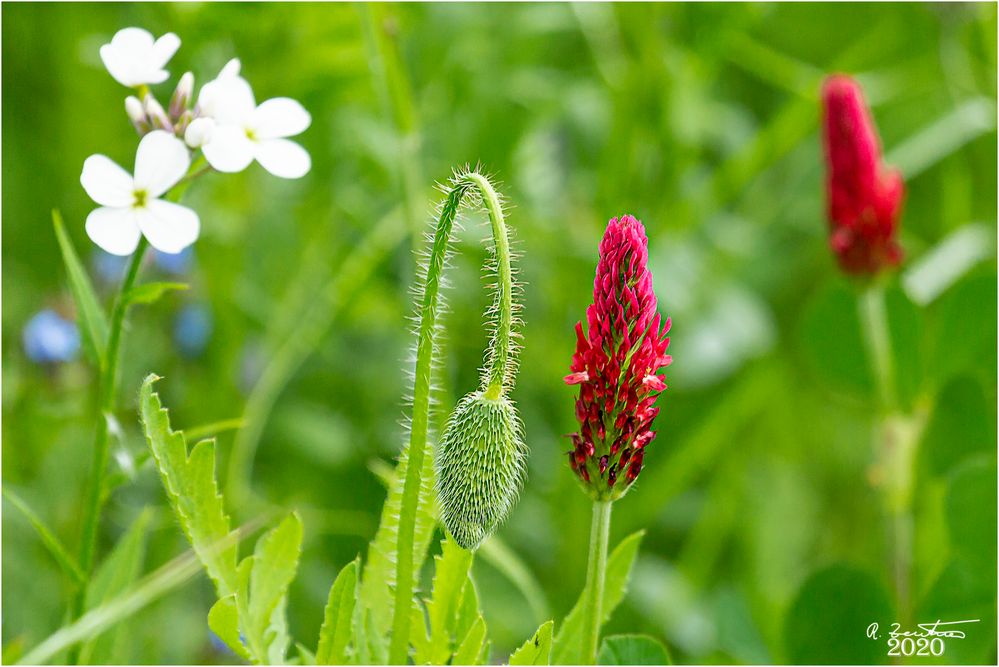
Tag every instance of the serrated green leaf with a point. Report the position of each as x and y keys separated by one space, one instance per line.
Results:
x=450 y=579
x=337 y=627
x=114 y=576
x=469 y=610
x=223 y=619
x=379 y=571
x=538 y=649
x=191 y=488
x=568 y=640
x=275 y=561
x=473 y=646
x=93 y=323
x=151 y=292
x=633 y=650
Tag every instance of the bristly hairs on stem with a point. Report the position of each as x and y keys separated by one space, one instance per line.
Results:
x=487 y=442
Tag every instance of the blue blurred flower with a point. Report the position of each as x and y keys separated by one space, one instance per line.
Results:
x=109 y=268
x=48 y=338
x=192 y=328
x=178 y=264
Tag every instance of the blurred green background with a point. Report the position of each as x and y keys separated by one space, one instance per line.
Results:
x=767 y=538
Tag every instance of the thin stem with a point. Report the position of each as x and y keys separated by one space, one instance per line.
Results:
x=108 y=392
x=102 y=443
x=596 y=571
x=895 y=441
x=874 y=321
x=426 y=347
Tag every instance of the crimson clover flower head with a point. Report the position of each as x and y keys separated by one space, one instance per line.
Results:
x=864 y=196
x=616 y=364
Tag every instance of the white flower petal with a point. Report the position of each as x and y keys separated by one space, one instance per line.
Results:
x=199 y=132
x=230 y=150
x=164 y=48
x=231 y=68
x=280 y=117
x=133 y=59
x=227 y=99
x=283 y=158
x=167 y=226
x=106 y=182
x=114 y=230
x=161 y=160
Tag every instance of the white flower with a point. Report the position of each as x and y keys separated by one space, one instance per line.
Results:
x=134 y=59
x=199 y=132
x=245 y=132
x=130 y=206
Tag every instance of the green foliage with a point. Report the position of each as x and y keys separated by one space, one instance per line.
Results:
x=828 y=619
x=93 y=324
x=633 y=650
x=113 y=577
x=480 y=466
x=567 y=650
x=189 y=481
x=338 y=619
x=147 y=293
x=536 y=650
x=51 y=542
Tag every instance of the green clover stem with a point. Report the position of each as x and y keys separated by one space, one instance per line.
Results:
x=596 y=571
x=895 y=442
x=494 y=379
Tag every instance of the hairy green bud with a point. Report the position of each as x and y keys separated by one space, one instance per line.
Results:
x=480 y=467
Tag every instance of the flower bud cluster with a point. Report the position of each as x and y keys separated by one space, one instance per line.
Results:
x=616 y=365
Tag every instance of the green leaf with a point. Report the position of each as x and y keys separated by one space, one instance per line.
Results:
x=449 y=583
x=633 y=650
x=568 y=640
x=832 y=342
x=93 y=324
x=473 y=647
x=538 y=649
x=971 y=514
x=965 y=591
x=190 y=485
x=51 y=542
x=275 y=561
x=469 y=610
x=115 y=575
x=305 y=656
x=151 y=292
x=965 y=332
x=418 y=636
x=335 y=633
x=826 y=622
x=223 y=619
x=379 y=571
x=961 y=426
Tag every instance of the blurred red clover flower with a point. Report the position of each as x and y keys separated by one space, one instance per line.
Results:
x=864 y=196
x=615 y=365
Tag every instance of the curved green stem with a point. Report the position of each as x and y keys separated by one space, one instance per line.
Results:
x=596 y=571
x=495 y=379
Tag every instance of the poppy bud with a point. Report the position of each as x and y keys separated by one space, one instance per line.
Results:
x=480 y=466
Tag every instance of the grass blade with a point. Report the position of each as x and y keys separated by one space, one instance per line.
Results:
x=93 y=323
x=51 y=542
